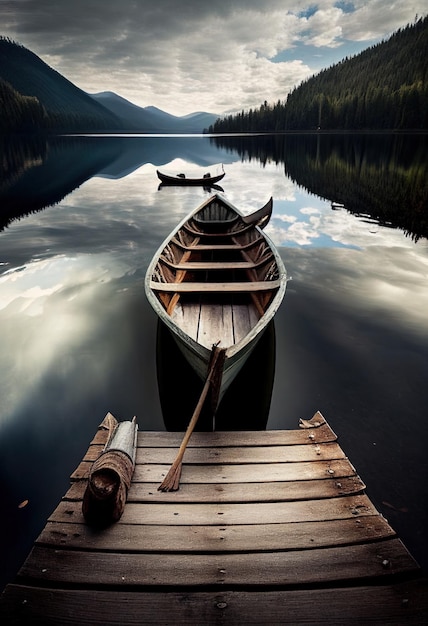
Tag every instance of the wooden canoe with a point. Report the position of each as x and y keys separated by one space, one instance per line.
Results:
x=206 y=180
x=217 y=279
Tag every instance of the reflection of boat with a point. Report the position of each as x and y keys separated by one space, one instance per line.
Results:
x=206 y=179
x=207 y=187
x=217 y=280
x=179 y=386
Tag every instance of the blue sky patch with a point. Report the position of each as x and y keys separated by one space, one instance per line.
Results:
x=346 y=7
x=318 y=58
x=311 y=10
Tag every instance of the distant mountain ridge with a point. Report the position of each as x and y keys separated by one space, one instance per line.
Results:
x=36 y=97
x=151 y=118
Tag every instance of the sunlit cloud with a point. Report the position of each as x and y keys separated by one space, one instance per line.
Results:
x=215 y=57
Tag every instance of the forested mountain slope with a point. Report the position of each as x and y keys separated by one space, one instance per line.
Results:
x=64 y=106
x=384 y=88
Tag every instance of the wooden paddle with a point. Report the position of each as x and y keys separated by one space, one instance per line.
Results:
x=171 y=481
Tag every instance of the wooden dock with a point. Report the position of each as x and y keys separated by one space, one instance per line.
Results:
x=270 y=527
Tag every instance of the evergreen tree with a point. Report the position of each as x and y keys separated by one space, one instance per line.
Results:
x=384 y=87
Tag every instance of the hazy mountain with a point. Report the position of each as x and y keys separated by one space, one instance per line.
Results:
x=152 y=119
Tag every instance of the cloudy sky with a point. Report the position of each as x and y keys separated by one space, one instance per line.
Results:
x=196 y=55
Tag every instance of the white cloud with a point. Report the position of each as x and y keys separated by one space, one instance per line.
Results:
x=378 y=19
x=324 y=28
x=192 y=55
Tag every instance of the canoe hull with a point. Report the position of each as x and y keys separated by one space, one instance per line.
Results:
x=198 y=356
x=179 y=387
x=207 y=181
x=195 y=353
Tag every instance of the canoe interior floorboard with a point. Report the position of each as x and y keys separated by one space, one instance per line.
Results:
x=187 y=318
x=215 y=325
x=209 y=323
x=267 y=528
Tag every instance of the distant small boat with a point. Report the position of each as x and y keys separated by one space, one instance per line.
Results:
x=217 y=280
x=205 y=180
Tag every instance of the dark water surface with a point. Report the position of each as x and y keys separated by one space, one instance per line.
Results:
x=78 y=339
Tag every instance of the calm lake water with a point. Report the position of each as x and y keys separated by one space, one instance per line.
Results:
x=78 y=339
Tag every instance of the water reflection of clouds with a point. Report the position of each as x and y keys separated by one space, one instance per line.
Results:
x=310 y=221
x=47 y=310
x=121 y=222
x=136 y=199
x=78 y=337
x=119 y=198
x=388 y=284
x=249 y=185
x=28 y=287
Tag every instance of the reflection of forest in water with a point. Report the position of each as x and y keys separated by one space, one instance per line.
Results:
x=37 y=172
x=382 y=176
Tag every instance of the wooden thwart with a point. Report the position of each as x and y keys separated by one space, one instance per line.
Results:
x=206 y=247
x=236 y=287
x=213 y=265
x=221 y=233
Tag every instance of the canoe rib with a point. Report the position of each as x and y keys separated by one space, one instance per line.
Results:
x=200 y=233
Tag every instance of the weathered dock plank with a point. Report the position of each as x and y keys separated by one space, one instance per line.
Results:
x=224 y=473
x=267 y=528
x=345 y=564
x=388 y=605
x=178 y=514
x=235 y=455
x=237 y=492
x=198 y=538
x=242 y=438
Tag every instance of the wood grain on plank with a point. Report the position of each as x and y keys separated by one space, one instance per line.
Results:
x=347 y=563
x=238 y=538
